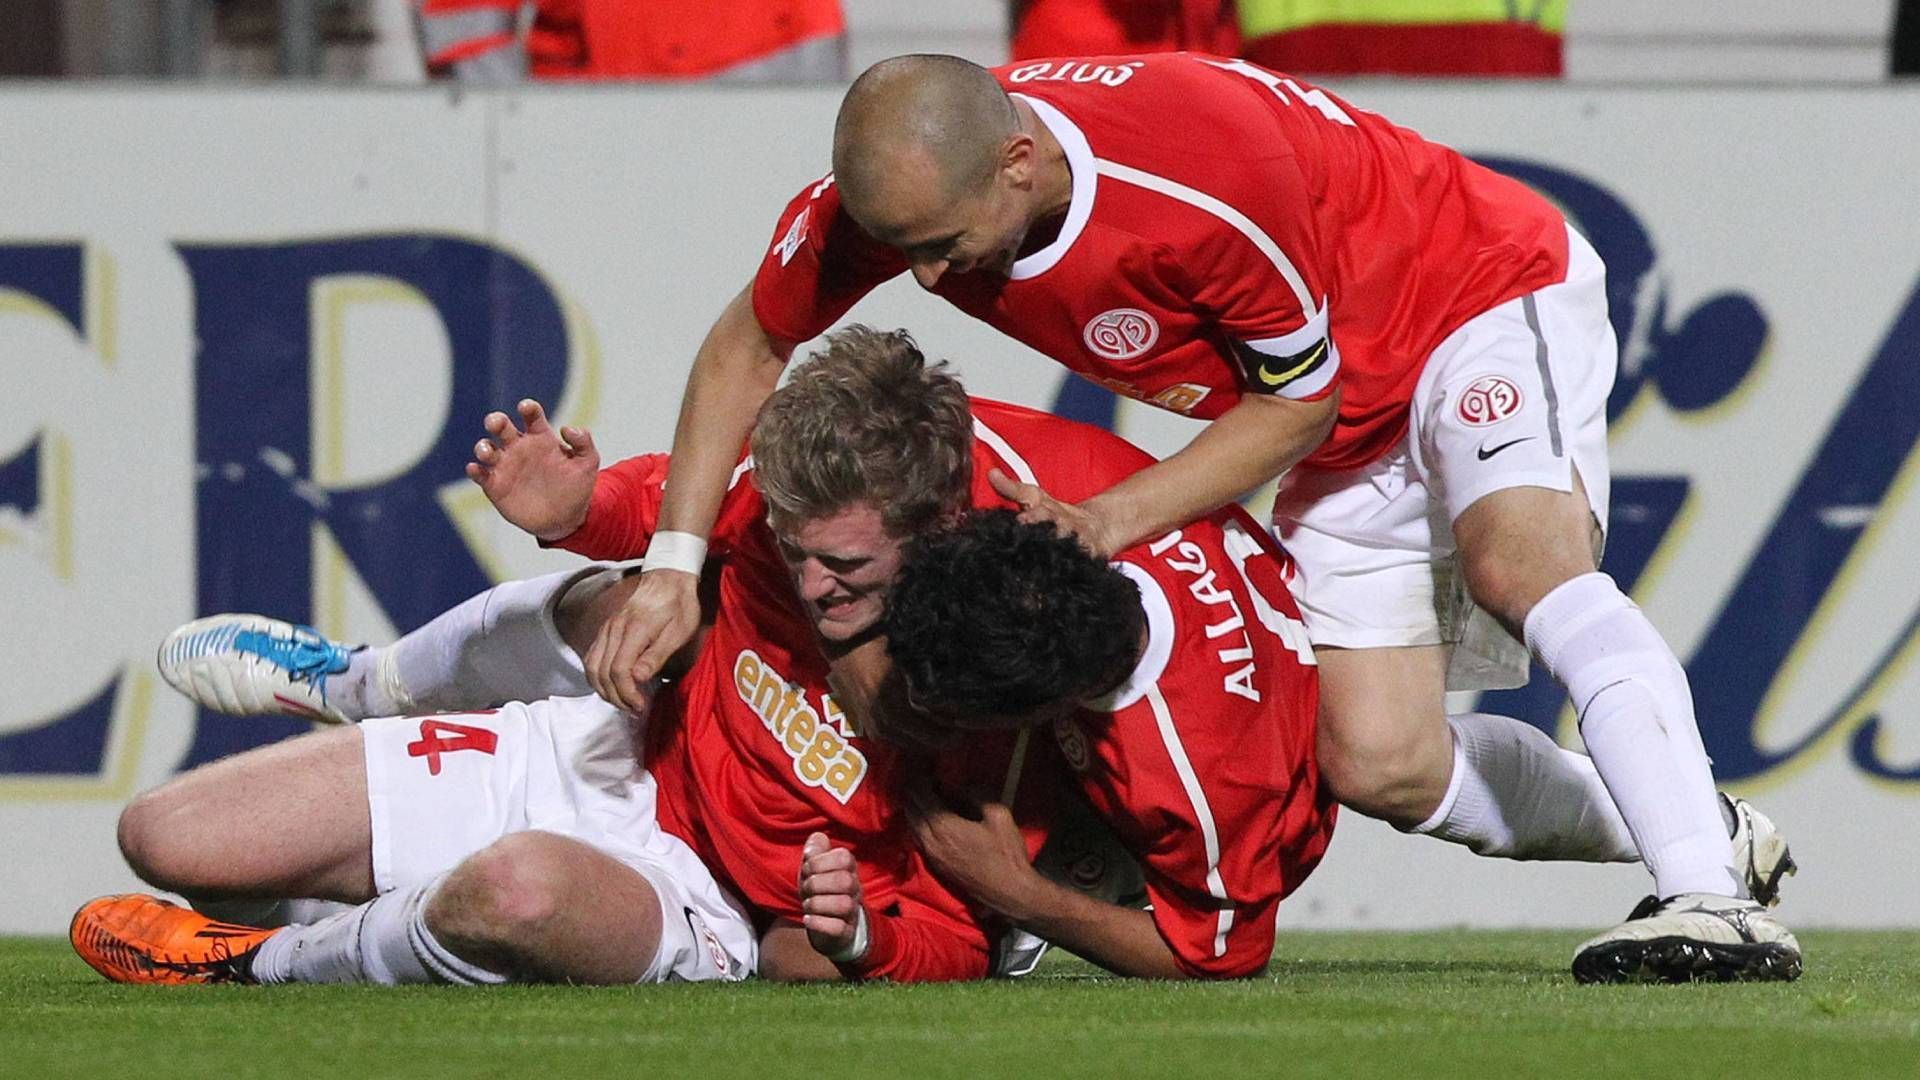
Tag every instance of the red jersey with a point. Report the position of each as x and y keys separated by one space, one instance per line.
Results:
x=1231 y=231
x=1203 y=761
x=1216 y=728
x=749 y=750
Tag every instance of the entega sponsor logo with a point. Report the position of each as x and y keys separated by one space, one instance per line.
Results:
x=821 y=756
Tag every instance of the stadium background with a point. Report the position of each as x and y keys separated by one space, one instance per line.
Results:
x=247 y=334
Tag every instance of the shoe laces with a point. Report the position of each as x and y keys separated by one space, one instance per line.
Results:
x=305 y=656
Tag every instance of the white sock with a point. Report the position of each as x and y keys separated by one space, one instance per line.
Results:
x=1636 y=714
x=501 y=645
x=383 y=941
x=1517 y=794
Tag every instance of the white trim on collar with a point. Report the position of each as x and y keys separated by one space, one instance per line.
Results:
x=1079 y=208
x=1159 y=650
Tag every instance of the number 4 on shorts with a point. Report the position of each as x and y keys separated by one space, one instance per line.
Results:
x=444 y=737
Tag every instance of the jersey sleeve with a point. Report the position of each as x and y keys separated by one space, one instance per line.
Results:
x=1265 y=279
x=820 y=264
x=625 y=510
x=905 y=946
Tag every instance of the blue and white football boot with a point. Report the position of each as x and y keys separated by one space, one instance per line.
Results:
x=251 y=665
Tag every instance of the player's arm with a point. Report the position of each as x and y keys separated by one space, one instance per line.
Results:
x=1251 y=443
x=736 y=368
x=863 y=943
x=987 y=860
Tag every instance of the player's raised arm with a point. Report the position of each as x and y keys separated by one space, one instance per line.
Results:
x=736 y=368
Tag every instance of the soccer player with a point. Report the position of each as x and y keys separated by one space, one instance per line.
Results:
x=515 y=845
x=1179 y=685
x=861 y=436
x=1420 y=345
x=757 y=764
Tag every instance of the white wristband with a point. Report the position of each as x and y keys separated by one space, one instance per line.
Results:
x=857 y=951
x=680 y=551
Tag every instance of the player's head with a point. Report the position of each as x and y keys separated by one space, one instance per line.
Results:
x=999 y=623
x=866 y=445
x=930 y=157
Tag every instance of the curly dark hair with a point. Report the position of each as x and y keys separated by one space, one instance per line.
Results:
x=994 y=619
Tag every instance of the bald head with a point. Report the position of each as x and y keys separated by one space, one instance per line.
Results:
x=915 y=121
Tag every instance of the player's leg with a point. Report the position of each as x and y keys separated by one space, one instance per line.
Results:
x=1494 y=784
x=504 y=644
x=1512 y=439
x=537 y=907
x=468 y=896
x=286 y=820
x=1383 y=744
x=1383 y=614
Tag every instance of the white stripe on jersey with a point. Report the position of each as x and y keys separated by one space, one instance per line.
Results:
x=1073 y=143
x=1202 y=813
x=1021 y=471
x=1192 y=197
x=740 y=470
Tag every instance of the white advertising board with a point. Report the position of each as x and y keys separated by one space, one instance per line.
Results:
x=246 y=339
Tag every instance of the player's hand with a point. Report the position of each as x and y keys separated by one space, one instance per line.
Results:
x=638 y=640
x=539 y=479
x=986 y=857
x=1078 y=522
x=830 y=899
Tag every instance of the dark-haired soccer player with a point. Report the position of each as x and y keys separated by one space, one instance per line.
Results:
x=1178 y=683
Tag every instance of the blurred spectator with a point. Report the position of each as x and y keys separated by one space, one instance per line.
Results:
x=31 y=44
x=1102 y=27
x=494 y=41
x=1906 y=38
x=1405 y=37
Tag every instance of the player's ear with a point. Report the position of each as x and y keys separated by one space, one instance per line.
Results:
x=1017 y=159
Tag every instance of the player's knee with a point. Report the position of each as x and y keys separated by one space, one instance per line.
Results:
x=1507 y=579
x=151 y=845
x=503 y=897
x=1382 y=773
x=587 y=605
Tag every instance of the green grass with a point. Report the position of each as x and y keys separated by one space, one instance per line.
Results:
x=1482 y=1005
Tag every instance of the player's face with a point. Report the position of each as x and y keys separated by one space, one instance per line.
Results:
x=980 y=232
x=842 y=566
x=941 y=234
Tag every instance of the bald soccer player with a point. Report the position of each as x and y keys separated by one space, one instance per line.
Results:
x=1419 y=344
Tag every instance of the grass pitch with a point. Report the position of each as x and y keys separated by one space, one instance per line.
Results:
x=1458 y=1003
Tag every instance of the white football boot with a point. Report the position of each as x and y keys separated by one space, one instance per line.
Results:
x=1691 y=937
x=251 y=665
x=1081 y=853
x=1759 y=851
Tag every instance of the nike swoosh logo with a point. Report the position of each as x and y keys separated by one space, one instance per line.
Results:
x=1486 y=453
x=1272 y=379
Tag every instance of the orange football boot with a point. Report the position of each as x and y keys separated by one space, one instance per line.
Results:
x=137 y=938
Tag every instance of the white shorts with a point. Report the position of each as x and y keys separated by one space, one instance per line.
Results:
x=1516 y=397
x=443 y=787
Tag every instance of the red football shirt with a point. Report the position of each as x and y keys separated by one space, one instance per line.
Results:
x=1203 y=763
x=749 y=750
x=1231 y=230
